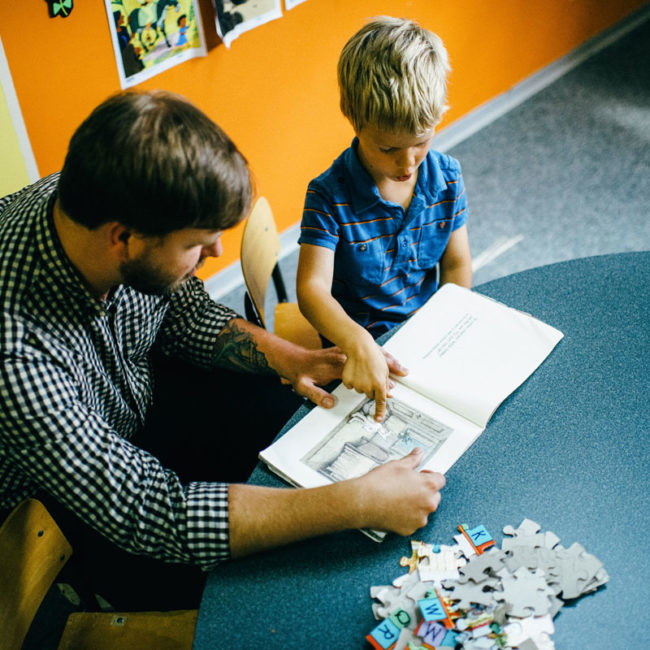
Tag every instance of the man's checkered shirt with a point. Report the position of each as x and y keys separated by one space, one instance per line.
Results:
x=75 y=386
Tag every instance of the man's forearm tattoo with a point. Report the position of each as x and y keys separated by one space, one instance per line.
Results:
x=237 y=349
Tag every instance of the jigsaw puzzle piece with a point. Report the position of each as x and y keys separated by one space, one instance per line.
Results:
x=433 y=608
x=578 y=572
x=406 y=638
x=468 y=595
x=431 y=633
x=478 y=537
x=528 y=535
x=526 y=592
x=481 y=567
x=442 y=563
x=403 y=594
x=531 y=557
x=537 y=628
x=384 y=636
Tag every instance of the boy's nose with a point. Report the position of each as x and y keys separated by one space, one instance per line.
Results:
x=407 y=159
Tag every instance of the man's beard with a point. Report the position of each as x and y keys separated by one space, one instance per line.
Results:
x=153 y=281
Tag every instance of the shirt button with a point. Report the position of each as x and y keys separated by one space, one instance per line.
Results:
x=443 y=224
x=363 y=247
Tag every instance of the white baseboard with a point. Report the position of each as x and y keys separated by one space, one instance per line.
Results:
x=231 y=277
x=224 y=281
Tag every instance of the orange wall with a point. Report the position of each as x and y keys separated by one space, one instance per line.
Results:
x=275 y=90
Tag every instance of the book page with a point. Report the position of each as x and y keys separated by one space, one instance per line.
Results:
x=468 y=352
x=345 y=442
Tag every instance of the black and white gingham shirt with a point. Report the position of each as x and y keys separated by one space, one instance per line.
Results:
x=75 y=385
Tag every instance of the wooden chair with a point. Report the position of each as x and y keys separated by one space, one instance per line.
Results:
x=32 y=552
x=260 y=248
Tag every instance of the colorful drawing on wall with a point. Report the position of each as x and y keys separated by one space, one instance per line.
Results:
x=150 y=36
x=61 y=8
x=234 y=17
x=290 y=4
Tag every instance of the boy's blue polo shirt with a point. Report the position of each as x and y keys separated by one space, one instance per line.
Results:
x=384 y=258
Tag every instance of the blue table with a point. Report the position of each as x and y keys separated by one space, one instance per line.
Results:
x=570 y=449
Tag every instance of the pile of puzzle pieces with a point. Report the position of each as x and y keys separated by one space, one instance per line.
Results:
x=475 y=596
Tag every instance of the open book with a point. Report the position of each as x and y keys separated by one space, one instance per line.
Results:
x=465 y=353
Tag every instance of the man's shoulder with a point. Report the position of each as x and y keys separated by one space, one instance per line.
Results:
x=21 y=212
x=21 y=215
x=28 y=199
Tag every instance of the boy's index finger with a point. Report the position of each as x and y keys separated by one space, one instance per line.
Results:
x=380 y=405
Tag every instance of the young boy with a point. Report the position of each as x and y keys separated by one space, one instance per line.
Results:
x=384 y=226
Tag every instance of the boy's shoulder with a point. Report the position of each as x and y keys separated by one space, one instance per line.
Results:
x=439 y=172
x=443 y=161
x=333 y=180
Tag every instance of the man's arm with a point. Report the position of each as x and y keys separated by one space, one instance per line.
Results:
x=367 y=368
x=456 y=261
x=55 y=442
x=207 y=334
x=245 y=347
x=393 y=497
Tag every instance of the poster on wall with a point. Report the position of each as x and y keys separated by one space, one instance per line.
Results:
x=234 y=17
x=290 y=4
x=150 y=36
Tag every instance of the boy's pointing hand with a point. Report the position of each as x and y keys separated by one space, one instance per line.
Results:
x=367 y=371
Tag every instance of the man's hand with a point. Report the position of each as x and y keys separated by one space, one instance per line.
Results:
x=393 y=497
x=396 y=497
x=248 y=348
x=394 y=366
x=313 y=369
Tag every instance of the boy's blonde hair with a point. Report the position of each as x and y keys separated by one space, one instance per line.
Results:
x=393 y=74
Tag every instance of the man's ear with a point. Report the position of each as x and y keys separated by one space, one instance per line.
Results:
x=119 y=237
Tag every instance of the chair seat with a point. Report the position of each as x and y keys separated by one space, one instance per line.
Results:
x=290 y=324
x=130 y=631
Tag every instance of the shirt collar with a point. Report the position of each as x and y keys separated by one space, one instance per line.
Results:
x=363 y=190
x=431 y=182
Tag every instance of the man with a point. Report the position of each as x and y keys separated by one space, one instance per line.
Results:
x=102 y=314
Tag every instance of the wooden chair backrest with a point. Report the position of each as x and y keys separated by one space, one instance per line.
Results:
x=260 y=249
x=33 y=551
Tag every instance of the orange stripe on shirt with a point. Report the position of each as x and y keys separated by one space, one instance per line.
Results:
x=327 y=214
x=318 y=229
x=363 y=223
x=433 y=205
x=365 y=241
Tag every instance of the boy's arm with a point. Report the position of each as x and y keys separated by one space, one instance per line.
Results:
x=393 y=497
x=456 y=261
x=367 y=367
